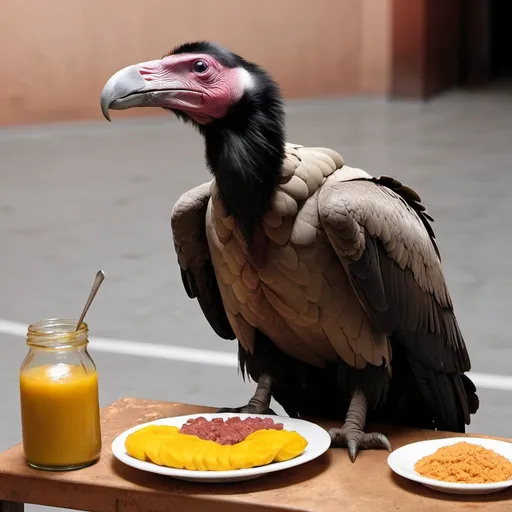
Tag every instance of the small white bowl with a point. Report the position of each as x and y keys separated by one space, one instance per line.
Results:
x=403 y=460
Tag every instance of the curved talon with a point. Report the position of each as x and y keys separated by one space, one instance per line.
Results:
x=352 y=446
x=355 y=440
x=375 y=440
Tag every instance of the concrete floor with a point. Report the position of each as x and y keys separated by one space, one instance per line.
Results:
x=78 y=197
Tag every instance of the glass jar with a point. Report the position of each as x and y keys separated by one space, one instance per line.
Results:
x=60 y=413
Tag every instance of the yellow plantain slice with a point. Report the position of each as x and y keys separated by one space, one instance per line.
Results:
x=223 y=457
x=267 y=438
x=210 y=458
x=185 y=448
x=263 y=453
x=135 y=443
x=136 y=447
x=198 y=456
x=187 y=455
x=179 y=451
x=167 y=454
x=164 y=430
x=290 y=443
x=152 y=448
x=293 y=447
x=240 y=456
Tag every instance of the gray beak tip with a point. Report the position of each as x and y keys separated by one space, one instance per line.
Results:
x=105 y=105
x=123 y=83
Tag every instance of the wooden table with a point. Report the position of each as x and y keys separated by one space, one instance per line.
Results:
x=330 y=483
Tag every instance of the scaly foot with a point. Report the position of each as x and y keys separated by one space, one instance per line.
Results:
x=352 y=435
x=355 y=440
x=260 y=402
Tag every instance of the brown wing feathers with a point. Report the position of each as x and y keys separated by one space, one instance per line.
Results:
x=197 y=273
x=402 y=289
x=412 y=198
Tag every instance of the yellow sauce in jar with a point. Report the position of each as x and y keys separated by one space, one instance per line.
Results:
x=60 y=415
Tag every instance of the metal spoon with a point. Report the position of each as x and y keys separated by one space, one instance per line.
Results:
x=100 y=276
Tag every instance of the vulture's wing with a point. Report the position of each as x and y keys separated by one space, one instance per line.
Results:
x=189 y=232
x=383 y=238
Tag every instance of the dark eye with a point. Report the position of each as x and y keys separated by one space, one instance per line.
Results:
x=200 y=66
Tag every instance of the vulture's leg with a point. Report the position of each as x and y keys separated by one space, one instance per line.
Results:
x=352 y=435
x=260 y=402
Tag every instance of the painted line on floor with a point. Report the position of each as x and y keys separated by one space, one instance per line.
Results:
x=210 y=357
x=135 y=348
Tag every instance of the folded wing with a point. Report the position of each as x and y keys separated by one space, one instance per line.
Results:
x=188 y=228
x=381 y=233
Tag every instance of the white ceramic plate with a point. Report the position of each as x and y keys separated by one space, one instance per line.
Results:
x=318 y=440
x=403 y=460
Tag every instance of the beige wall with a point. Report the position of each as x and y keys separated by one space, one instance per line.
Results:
x=56 y=55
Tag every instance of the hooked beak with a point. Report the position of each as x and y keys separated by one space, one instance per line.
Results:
x=123 y=90
x=128 y=88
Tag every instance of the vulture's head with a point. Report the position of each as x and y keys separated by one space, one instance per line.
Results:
x=199 y=81
x=235 y=105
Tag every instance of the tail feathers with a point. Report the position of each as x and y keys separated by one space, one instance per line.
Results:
x=451 y=398
x=472 y=397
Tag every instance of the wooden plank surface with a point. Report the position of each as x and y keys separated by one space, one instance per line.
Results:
x=327 y=484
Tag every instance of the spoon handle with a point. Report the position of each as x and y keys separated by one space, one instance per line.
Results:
x=100 y=276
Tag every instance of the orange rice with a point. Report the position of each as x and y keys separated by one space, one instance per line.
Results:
x=465 y=463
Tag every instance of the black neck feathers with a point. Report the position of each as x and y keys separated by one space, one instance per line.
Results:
x=245 y=151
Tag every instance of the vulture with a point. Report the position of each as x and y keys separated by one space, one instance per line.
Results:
x=330 y=279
